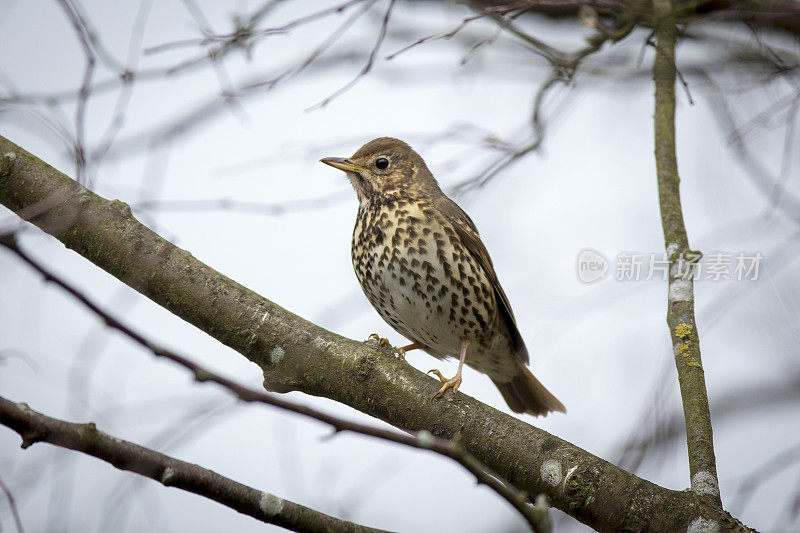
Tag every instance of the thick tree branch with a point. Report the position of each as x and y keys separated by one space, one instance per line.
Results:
x=422 y=440
x=680 y=306
x=295 y=354
x=35 y=427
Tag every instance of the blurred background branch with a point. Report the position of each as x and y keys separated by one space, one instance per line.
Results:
x=35 y=427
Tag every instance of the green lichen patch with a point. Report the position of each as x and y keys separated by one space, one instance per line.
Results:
x=683 y=330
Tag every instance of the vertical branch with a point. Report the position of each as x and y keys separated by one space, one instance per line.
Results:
x=680 y=307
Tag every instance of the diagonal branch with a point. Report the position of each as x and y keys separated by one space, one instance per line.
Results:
x=295 y=354
x=680 y=308
x=86 y=438
x=422 y=440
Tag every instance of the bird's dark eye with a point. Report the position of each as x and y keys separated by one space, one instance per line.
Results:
x=382 y=163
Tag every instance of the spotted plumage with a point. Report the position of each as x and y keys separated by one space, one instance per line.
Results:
x=422 y=265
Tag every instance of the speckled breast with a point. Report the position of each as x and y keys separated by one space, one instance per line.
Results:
x=423 y=281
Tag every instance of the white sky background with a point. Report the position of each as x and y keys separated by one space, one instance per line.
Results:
x=603 y=349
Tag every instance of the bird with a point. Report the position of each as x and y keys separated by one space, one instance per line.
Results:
x=422 y=265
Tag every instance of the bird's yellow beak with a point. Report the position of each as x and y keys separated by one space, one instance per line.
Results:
x=341 y=163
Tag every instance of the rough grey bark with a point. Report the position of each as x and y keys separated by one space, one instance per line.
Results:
x=295 y=354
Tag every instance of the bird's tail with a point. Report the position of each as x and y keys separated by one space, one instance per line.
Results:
x=525 y=394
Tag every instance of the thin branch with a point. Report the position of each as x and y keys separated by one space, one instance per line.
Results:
x=245 y=206
x=786 y=160
x=244 y=36
x=35 y=427
x=760 y=176
x=422 y=440
x=765 y=470
x=84 y=92
x=680 y=308
x=368 y=65
x=248 y=30
x=654 y=430
x=435 y=37
x=200 y=418
x=564 y=66
x=126 y=89
x=329 y=41
x=12 y=504
x=511 y=156
x=541 y=48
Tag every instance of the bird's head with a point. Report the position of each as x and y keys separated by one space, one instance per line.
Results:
x=385 y=166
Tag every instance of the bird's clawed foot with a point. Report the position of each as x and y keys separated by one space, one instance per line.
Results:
x=382 y=342
x=399 y=352
x=452 y=383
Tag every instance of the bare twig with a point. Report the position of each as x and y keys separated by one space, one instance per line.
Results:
x=765 y=470
x=295 y=69
x=248 y=32
x=125 y=92
x=201 y=417
x=245 y=206
x=538 y=46
x=35 y=427
x=564 y=66
x=12 y=504
x=435 y=37
x=370 y=60
x=789 y=204
x=788 y=146
x=87 y=42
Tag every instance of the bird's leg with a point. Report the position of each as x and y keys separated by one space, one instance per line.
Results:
x=401 y=351
x=455 y=381
x=412 y=346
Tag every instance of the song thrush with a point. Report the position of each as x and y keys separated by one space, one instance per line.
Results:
x=424 y=268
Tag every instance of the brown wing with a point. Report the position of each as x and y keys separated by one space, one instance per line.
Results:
x=468 y=233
